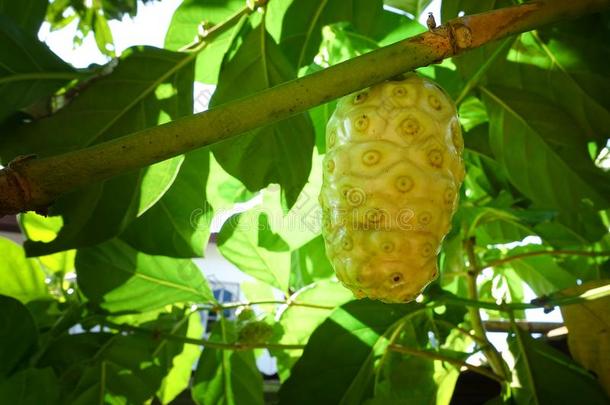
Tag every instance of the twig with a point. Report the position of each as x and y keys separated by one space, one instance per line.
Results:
x=505 y=260
x=33 y=184
x=437 y=356
x=494 y=358
x=200 y=342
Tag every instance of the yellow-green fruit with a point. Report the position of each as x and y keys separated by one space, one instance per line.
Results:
x=392 y=173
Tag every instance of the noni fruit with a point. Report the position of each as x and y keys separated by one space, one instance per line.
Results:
x=392 y=173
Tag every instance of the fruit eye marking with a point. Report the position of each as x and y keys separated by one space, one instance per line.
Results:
x=434 y=102
x=410 y=126
x=387 y=247
x=355 y=197
x=360 y=97
x=370 y=158
x=374 y=216
x=404 y=183
x=399 y=91
x=362 y=123
x=347 y=243
x=330 y=165
x=332 y=138
x=396 y=278
x=458 y=143
x=426 y=250
x=449 y=195
x=424 y=218
x=435 y=158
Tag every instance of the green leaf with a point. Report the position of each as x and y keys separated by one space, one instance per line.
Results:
x=124 y=368
x=118 y=278
x=299 y=322
x=309 y=264
x=27 y=14
x=543 y=375
x=18 y=335
x=224 y=190
x=103 y=34
x=267 y=238
x=550 y=65
x=179 y=376
x=346 y=343
x=29 y=70
x=227 y=377
x=238 y=242
x=178 y=225
x=277 y=153
x=413 y=7
x=547 y=161
x=183 y=31
x=301 y=32
x=542 y=273
x=44 y=229
x=156 y=87
x=31 y=387
x=20 y=278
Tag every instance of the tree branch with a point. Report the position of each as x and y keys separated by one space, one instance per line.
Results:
x=33 y=184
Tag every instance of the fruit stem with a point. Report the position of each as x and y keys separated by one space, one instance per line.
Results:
x=42 y=181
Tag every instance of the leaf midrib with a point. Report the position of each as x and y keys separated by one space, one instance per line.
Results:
x=187 y=59
x=549 y=150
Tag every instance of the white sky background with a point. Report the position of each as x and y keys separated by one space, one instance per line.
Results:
x=149 y=28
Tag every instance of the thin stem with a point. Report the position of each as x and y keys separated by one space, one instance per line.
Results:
x=437 y=356
x=494 y=358
x=33 y=184
x=200 y=342
x=287 y=302
x=505 y=260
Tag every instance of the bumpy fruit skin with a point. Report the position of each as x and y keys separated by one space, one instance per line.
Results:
x=392 y=173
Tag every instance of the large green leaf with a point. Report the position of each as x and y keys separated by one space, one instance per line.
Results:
x=543 y=375
x=413 y=7
x=184 y=28
x=542 y=273
x=102 y=368
x=301 y=32
x=125 y=367
x=347 y=344
x=20 y=278
x=238 y=242
x=44 y=229
x=27 y=14
x=543 y=150
x=18 y=335
x=277 y=153
x=31 y=387
x=227 y=377
x=309 y=264
x=118 y=278
x=155 y=87
x=179 y=376
x=178 y=225
x=299 y=322
x=29 y=71
x=414 y=379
